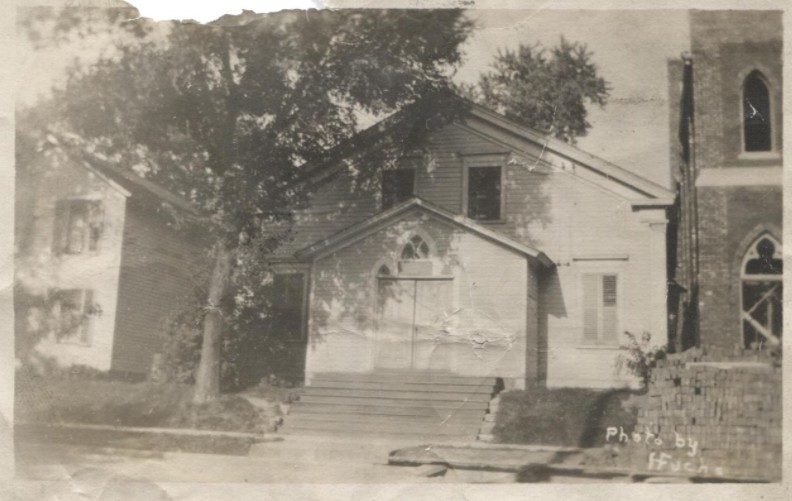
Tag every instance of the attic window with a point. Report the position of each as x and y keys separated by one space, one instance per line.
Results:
x=756 y=114
x=415 y=258
x=484 y=193
x=398 y=185
x=77 y=227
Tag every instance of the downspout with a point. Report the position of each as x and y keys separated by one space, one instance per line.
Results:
x=692 y=193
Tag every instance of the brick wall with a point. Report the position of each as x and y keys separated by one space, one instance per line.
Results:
x=727 y=215
x=725 y=406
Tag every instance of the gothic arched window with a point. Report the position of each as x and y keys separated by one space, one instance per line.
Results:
x=415 y=249
x=756 y=113
x=762 y=293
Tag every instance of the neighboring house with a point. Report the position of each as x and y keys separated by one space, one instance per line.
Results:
x=726 y=145
x=100 y=263
x=495 y=251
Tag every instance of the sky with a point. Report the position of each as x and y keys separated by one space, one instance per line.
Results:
x=630 y=48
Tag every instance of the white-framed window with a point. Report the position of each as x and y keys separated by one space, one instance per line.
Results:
x=78 y=226
x=483 y=182
x=761 y=292
x=757 y=127
x=600 y=308
x=73 y=311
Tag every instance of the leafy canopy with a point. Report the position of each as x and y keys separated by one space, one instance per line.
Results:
x=545 y=89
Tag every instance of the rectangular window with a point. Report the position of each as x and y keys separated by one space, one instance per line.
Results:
x=78 y=226
x=398 y=185
x=288 y=301
x=484 y=193
x=73 y=312
x=600 y=309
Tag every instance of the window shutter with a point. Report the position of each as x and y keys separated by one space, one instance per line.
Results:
x=95 y=224
x=590 y=308
x=60 y=227
x=609 y=317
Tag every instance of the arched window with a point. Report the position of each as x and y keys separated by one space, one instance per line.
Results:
x=762 y=293
x=415 y=249
x=756 y=113
x=415 y=257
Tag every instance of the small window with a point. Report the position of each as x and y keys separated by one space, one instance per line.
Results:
x=73 y=312
x=398 y=185
x=762 y=294
x=756 y=114
x=600 y=309
x=78 y=226
x=484 y=193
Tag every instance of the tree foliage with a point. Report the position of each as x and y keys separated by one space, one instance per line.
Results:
x=225 y=114
x=548 y=90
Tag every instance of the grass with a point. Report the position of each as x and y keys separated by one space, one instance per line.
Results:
x=58 y=400
x=567 y=416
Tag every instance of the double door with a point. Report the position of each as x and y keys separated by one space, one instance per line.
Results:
x=413 y=318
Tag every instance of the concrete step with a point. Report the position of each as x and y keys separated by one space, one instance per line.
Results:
x=405 y=377
x=400 y=437
x=386 y=418
x=473 y=409
x=394 y=402
x=459 y=396
x=403 y=427
x=403 y=386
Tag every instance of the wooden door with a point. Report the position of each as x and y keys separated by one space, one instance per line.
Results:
x=433 y=306
x=411 y=321
x=396 y=300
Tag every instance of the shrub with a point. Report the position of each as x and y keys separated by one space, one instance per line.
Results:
x=567 y=416
x=641 y=358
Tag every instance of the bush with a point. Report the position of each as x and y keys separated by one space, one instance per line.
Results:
x=641 y=358
x=567 y=416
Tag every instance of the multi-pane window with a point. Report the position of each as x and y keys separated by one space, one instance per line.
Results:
x=762 y=294
x=484 y=193
x=78 y=226
x=415 y=257
x=756 y=114
x=600 y=309
x=398 y=185
x=73 y=311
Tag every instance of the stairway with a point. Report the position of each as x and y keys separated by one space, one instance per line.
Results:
x=426 y=406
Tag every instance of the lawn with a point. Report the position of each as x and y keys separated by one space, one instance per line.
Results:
x=89 y=401
x=568 y=416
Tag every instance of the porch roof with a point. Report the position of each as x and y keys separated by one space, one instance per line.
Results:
x=364 y=228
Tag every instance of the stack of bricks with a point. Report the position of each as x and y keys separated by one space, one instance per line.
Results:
x=728 y=404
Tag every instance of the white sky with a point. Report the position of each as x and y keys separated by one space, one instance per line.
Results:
x=631 y=49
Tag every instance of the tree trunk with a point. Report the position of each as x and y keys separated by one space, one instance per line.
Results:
x=207 y=379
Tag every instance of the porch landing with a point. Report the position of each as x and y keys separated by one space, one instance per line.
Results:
x=427 y=405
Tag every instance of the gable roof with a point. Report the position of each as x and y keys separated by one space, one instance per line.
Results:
x=130 y=184
x=380 y=220
x=647 y=192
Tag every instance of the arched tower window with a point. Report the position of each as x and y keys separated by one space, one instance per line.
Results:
x=756 y=113
x=762 y=293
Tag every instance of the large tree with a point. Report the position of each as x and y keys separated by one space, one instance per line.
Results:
x=225 y=113
x=548 y=90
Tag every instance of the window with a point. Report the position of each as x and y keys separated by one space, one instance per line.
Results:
x=762 y=293
x=756 y=114
x=484 y=193
x=398 y=185
x=78 y=226
x=600 y=309
x=288 y=302
x=73 y=312
x=415 y=257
